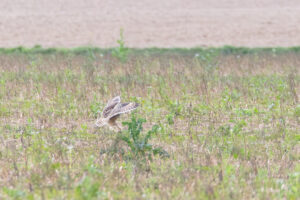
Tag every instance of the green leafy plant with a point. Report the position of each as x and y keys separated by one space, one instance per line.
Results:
x=120 y=52
x=88 y=186
x=94 y=107
x=297 y=111
x=14 y=193
x=208 y=59
x=138 y=142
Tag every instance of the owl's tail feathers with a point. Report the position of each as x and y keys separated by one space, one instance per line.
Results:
x=101 y=122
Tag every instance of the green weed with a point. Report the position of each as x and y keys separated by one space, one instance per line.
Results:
x=120 y=52
x=139 y=144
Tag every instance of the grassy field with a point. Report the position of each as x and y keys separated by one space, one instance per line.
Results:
x=227 y=120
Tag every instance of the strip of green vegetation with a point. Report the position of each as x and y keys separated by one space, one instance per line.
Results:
x=152 y=51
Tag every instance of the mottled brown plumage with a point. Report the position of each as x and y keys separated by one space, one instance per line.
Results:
x=112 y=112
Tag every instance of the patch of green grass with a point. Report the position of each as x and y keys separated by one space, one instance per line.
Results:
x=227 y=117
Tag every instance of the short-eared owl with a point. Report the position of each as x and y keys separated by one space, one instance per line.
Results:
x=113 y=110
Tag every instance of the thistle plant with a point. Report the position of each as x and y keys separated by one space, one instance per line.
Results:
x=138 y=143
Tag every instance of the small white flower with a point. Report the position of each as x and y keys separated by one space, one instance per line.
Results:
x=70 y=147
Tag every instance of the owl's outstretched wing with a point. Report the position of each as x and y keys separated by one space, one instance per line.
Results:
x=123 y=108
x=110 y=106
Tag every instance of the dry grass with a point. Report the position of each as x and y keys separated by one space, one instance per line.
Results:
x=230 y=124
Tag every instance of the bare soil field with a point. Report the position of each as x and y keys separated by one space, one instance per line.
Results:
x=149 y=23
